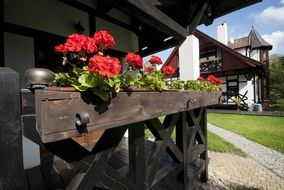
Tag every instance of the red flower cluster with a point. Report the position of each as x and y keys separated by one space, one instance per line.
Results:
x=200 y=78
x=77 y=43
x=155 y=60
x=85 y=46
x=134 y=60
x=214 y=80
x=104 y=40
x=105 y=65
x=168 y=70
x=149 y=69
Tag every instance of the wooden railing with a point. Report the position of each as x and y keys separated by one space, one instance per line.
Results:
x=209 y=67
x=231 y=97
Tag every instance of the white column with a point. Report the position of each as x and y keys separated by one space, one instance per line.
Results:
x=189 y=59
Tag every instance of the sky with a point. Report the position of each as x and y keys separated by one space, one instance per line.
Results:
x=267 y=17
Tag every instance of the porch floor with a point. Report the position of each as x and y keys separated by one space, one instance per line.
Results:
x=55 y=173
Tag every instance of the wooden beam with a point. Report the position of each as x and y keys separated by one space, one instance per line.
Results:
x=146 y=12
x=194 y=22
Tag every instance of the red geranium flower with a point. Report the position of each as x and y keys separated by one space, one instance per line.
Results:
x=60 y=48
x=155 y=60
x=89 y=45
x=134 y=60
x=104 y=40
x=149 y=69
x=168 y=70
x=214 y=80
x=200 y=78
x=106 y=66
x=77 y=43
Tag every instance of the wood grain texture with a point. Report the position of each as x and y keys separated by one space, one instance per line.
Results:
x=56 y=110
x=11 y=149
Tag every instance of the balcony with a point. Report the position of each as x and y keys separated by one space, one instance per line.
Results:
x=211 y=65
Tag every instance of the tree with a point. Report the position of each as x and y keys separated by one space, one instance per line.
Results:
x=277 y=78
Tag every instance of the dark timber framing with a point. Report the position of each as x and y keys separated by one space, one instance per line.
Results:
x=11 y=159
x=149 y=14
x=2 y=61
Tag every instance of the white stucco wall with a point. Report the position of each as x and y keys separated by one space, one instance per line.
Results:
x=125 y=40
x=19 y=54
x=254 y=54
x=60 y=20
x=244 y=86
x=223 y=85
x=241 y=51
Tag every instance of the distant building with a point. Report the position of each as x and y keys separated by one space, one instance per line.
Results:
x=242 y=65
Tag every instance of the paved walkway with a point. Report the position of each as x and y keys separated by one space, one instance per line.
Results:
x=267 y=157
x=229 y=171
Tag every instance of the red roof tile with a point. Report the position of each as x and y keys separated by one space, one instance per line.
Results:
x=239 y=43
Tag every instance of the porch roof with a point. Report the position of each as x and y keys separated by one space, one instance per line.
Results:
x=157 y=20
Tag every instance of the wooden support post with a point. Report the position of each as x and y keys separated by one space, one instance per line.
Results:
x=11 y=159
x=181 y=141
x=204 y=155
x=137 y=155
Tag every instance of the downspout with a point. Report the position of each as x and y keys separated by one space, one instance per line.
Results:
x=254 y=96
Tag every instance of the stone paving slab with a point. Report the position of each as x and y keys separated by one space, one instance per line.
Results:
x=267 y=157
x=230 y=171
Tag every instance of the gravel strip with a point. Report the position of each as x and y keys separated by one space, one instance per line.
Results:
x=267 y=157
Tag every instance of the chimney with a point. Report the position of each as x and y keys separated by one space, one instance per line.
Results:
x=222 y=33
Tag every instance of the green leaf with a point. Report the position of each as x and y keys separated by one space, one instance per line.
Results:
x=87 y=80
x=79 y=87
x=77 y=71
x=104 y=95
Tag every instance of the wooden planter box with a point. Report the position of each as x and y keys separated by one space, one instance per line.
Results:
x=56 y=109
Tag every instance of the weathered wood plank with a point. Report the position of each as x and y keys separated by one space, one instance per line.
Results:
x=181 y=141
x=159 y=147
x=153 y=162
x=157 y=129
x=27 y=101
x=137 y=155
x=204 y=155
x=29 y=128
x=55 y=110
x=35 y=179
x=11 y=159
x=195 y=151
x=165 y=175
x=104 y=149
x=51 y=176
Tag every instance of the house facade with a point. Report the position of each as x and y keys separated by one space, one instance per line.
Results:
x=255 y=47
x=243 y=69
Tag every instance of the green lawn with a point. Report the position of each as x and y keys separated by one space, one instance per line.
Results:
x=265 y=130
x=218 y=144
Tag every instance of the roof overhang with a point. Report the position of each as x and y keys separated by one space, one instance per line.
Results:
x=157 y=20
